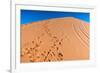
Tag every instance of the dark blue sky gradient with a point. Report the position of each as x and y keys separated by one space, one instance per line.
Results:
x=28 y=16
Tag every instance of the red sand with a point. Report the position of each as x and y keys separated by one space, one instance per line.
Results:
x=55 y=40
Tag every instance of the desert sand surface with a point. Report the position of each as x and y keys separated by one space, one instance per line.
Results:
x=59 y=39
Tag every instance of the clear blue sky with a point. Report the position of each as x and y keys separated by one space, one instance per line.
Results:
x=28 y=16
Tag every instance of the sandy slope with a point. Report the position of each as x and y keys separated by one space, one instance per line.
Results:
x=55 y=40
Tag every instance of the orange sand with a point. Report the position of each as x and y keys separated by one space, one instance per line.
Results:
x=55 y=40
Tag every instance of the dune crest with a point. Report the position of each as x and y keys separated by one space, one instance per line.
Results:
x=55 y=40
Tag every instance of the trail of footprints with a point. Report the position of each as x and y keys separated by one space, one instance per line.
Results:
x=53 y=53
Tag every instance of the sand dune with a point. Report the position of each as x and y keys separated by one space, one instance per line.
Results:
x=55 y=40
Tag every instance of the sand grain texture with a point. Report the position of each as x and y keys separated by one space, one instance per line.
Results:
x=55 y=40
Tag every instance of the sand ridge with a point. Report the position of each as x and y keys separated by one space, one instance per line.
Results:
x=55 y=40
